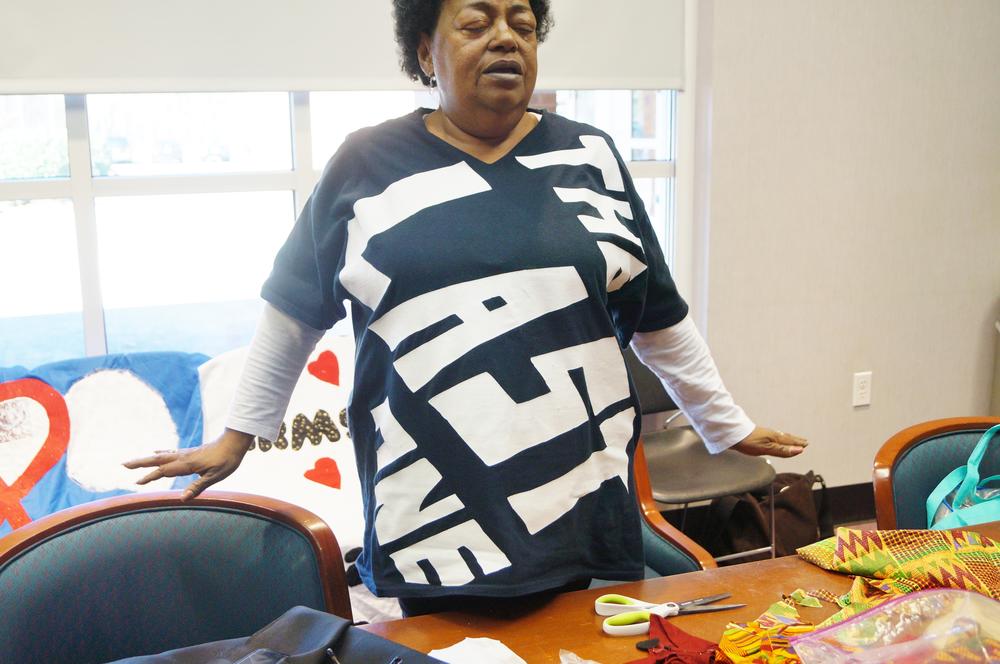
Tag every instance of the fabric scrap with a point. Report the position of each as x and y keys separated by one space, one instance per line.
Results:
x=803 y=598
x=676 y=646
x=764 y=640
x=483 y=650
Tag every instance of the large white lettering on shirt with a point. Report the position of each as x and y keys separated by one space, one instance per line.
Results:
x=400 y=201
x=497 y=428
x=505 y=428
x=526 y=295
x=397 y=499
x=621 y=265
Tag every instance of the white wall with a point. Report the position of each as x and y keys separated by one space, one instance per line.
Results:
x=854 y=215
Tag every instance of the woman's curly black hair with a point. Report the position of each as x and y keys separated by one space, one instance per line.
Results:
x=414 y=17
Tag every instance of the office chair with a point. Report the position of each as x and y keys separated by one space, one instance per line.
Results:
x=912 y=463
x=667 y=550
x=144 y=573
x=681 y=469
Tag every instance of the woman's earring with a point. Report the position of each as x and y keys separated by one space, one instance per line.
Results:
x=433 y=81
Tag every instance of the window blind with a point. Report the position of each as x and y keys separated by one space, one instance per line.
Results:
x=55 y=46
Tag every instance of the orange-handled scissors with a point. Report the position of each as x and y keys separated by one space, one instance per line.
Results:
x=630 y=617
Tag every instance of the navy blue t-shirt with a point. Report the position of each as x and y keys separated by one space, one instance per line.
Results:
x=492 y=415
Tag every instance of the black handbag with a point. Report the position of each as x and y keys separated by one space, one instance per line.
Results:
x=299 y=636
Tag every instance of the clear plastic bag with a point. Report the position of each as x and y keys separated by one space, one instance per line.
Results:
x=930 y=625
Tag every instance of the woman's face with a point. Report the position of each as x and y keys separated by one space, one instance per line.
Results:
x=483 y=53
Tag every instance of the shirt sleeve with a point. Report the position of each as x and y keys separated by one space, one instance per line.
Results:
x=663 y=305
x=278 y=353
x=679 y=356
x=651 y=302
x=303 y=280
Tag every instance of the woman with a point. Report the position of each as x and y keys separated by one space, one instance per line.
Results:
x=496 y=260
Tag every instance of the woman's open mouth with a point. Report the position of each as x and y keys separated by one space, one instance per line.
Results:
x=504 y=70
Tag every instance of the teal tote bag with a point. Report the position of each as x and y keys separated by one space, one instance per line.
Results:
x=962 y=499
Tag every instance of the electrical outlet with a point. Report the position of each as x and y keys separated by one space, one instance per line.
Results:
x=862 y=393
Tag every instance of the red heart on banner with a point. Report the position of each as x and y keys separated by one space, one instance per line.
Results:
x=325 y=472
x=326 y=367
x=48 y=454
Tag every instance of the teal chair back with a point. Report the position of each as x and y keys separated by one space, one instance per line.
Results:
x=912 y=463
x=141 y=574
x=663 y=558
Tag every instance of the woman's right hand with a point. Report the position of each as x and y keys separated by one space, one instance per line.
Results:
x=212 y=462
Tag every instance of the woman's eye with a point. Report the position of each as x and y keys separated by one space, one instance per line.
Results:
x=475 y=27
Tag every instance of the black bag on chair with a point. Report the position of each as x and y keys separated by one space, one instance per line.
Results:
x=299 y=636
x=743 y=522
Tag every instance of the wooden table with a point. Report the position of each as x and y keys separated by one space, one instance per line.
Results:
x=568 y=621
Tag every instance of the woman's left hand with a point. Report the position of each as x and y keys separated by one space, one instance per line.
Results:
x=763 y=441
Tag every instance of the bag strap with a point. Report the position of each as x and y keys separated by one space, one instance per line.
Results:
x=971 y=480
x=974 y=497
x=966 y=478
x=941 y=491
x=984 y=482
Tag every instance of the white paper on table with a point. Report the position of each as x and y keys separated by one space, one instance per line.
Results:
x=479 y=650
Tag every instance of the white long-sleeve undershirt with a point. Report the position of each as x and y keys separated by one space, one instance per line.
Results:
x=678 y=355
x=279 y=351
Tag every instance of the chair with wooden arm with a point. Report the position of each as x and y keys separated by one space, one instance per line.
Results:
x=667 y=549
x=911 y=464
x=144 y=573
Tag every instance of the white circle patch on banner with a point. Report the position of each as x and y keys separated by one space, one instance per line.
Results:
x=114 y=417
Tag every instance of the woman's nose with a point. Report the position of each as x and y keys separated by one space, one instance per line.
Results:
x=503 y=37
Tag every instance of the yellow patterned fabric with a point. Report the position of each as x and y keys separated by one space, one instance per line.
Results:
x=888 y=563
x=803 y=598
x=764 y=640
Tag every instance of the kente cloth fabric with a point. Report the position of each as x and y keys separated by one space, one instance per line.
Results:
x=888 y=563
x=492 y=414
x=801 y=597
x=675 y=645
x=956 y=651
x=764 y=640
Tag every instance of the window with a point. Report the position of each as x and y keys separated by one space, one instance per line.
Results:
x=337 y=114
x=164 y=243
x=183 y=272
x=41 y=294
x=174 y=134
x=33 y=136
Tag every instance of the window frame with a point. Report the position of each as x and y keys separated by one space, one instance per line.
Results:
x=82 y=188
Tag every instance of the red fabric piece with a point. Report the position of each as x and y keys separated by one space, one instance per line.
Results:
x=676 y=645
